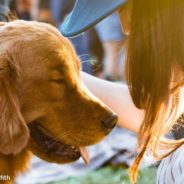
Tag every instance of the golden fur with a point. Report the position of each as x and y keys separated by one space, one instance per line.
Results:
x=42 y=98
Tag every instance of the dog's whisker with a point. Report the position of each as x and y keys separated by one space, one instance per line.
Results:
x=52 y=142
x=85 y=61
x=62 y=135
x=83 y=55
x=98 y=67
x=67 y=133
x=90 y=60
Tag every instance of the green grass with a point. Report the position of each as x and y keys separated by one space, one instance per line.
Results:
x=111 y=175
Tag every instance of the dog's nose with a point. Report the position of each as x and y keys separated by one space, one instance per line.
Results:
x=110 y=122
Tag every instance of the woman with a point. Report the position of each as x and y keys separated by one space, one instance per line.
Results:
x=154 y=71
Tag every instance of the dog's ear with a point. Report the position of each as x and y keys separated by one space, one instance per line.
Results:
x=14 y=133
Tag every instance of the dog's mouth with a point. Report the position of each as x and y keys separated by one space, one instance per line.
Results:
x=55 y=147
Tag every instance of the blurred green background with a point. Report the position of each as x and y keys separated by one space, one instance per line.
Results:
x=112 y=175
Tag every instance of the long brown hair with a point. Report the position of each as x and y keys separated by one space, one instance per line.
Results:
x=155 y=48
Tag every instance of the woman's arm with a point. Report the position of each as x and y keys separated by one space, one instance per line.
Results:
x=117 y=97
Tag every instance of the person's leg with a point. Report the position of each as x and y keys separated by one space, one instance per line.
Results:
x=112 y=53
x=112 y=38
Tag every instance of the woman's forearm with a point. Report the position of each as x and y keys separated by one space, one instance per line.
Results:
x=117 y=97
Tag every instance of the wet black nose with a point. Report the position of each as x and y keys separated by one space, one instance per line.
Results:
x=110 y=122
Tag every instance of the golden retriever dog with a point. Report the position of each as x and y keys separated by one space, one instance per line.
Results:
x=44 y=107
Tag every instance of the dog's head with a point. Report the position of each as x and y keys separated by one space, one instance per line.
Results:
x=44 y=105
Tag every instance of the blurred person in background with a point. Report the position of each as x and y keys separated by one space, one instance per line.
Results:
x=44 y=12
x=4 y=10
x=112 y=38
x=53 y=12
x=22 y=8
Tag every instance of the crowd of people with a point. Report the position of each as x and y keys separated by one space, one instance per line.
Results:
x=100 y=48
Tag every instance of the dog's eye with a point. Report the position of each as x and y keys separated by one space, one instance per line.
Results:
x=58 y=81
